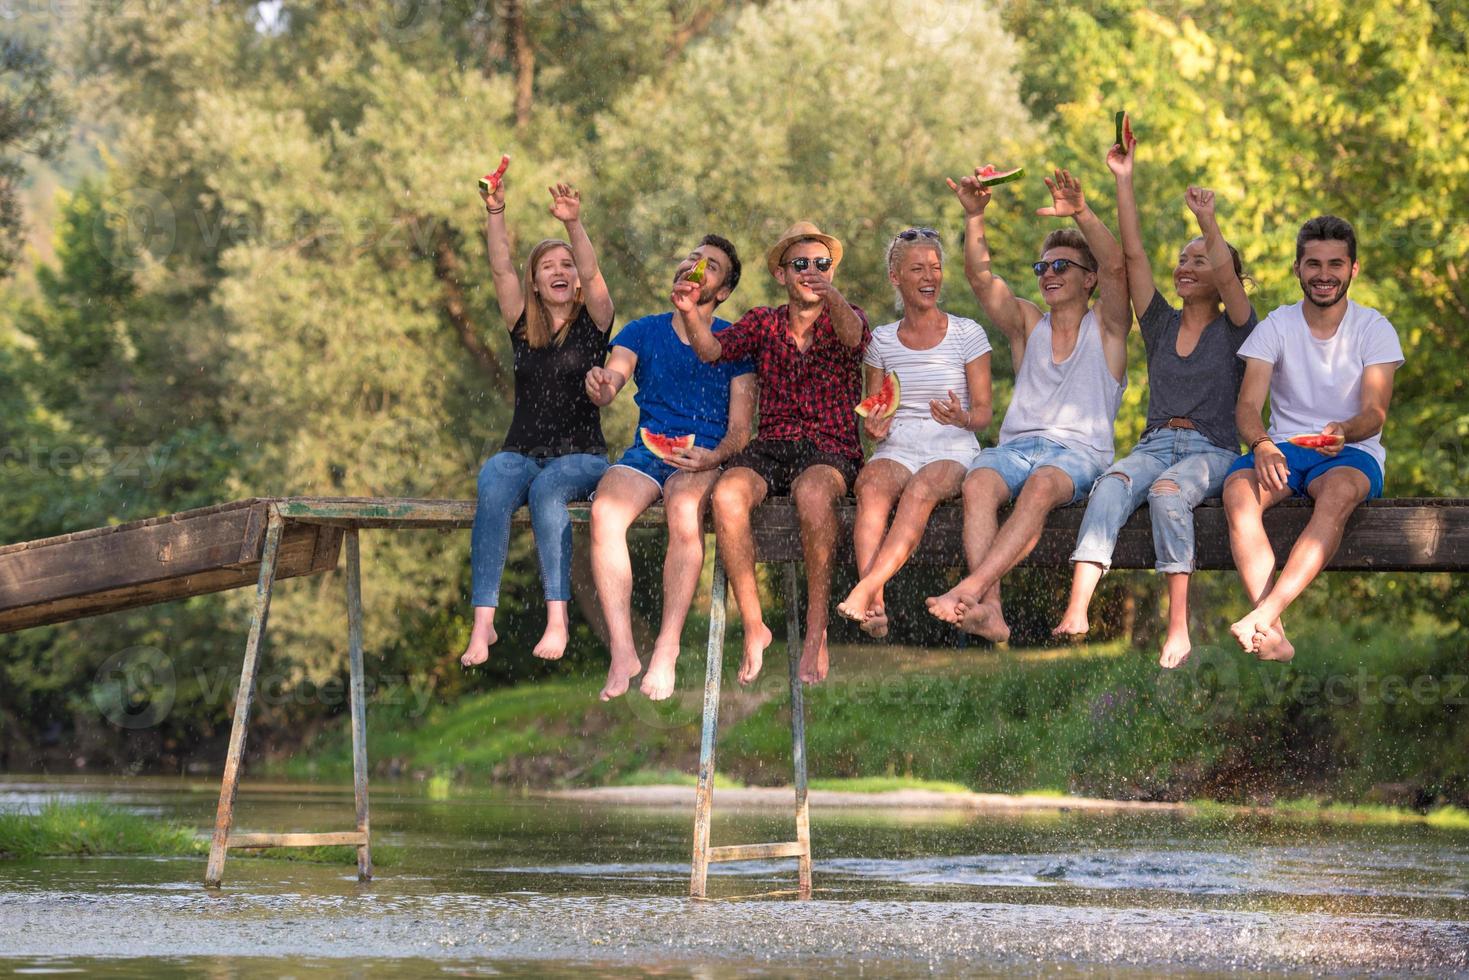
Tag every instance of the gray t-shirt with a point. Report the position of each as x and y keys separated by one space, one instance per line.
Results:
x=1202 y=387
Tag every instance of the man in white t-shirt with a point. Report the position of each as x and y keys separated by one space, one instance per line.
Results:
x=1327 y=364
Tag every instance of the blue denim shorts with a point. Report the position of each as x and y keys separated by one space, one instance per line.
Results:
x=639 y=458
x=1015 y=462
x=1307 y=464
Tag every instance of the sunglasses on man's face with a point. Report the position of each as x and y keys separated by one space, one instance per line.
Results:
x=822 y=264
x=913 y=234
x=1058 y=266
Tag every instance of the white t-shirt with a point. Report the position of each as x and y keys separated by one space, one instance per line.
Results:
x=928 y=375
x=1316 y=382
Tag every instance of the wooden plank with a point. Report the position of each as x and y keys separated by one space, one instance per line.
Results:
x=757 y=852
x=350 y=838
x=304 y=550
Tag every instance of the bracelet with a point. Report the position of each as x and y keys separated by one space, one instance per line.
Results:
x=1264 y=438
x=490 y=210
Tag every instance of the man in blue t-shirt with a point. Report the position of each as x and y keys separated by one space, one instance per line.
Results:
x=678 y=395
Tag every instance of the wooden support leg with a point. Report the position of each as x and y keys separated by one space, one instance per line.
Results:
x=359 y=703
x=225 y=816
x=798 y=727
x=704 y=795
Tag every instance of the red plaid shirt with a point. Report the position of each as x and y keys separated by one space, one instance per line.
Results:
x=807 y=395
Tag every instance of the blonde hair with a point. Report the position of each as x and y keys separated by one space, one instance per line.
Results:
x=538 y=320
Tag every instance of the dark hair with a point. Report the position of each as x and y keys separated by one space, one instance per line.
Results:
x=727 y=247
x=1327 y=228
x=1069 y=238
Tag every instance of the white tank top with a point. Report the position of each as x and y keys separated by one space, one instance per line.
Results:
x=1075 y=402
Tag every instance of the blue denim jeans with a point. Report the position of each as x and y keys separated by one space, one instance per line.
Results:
x=1184 y=456
x=506 y=482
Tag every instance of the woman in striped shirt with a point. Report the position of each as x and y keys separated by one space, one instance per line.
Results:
x=943 y=368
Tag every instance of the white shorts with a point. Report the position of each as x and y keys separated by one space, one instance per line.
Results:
x=914 y=443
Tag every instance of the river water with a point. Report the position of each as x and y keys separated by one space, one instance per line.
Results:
x=486 y=884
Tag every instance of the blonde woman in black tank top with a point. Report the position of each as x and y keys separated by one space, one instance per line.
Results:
x=558 y=316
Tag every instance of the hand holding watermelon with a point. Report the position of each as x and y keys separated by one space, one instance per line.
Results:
x=1120 y=156
x=972 y=192
x=492 y=185
x=1328 y=442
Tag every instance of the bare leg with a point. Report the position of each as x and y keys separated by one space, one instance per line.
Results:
x=685 y=496
x=984 y=494
x=1245 y=503
x=1176 y=645
x=1047 y=489
x=879 y=486
x=737 y=492
x=1084 y=578
x=1337 y=493
x=816 y=492
x=932 y=484
x=481 y=637
x=622 y=495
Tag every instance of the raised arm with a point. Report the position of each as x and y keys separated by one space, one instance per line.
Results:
x=1012 y=316
x=1112 y=305
x=566 y=208
x=698 y=329
x=1231 y=290
x=1140 y=284
x=502 y=266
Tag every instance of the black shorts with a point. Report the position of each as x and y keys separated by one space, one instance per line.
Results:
x=779 y=462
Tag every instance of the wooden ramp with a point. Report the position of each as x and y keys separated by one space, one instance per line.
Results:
x=156 y=560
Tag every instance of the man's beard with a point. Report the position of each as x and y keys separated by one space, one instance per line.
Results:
x=1335 y=299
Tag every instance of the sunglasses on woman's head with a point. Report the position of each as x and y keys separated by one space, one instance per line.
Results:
x=913 y=234
x=1058 y=266
x=802 y=264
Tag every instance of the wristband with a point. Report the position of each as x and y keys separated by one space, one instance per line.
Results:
x=1264 y=438
x=490 y=210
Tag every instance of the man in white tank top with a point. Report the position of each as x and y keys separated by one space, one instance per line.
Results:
x=1070 y=371
x=1327 y=364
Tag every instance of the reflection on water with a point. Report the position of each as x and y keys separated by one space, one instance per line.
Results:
x=522 y=885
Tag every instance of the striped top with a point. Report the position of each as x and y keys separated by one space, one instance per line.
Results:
x=928 y=375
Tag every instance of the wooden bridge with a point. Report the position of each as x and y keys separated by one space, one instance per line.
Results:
x=261 y=540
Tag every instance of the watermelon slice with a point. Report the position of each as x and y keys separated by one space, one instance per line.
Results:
x=696 y=274
x=1117 y=121
x=489 y=182
x=1316 y=440
x=989 y=176
x=665 y=446
x=883 y=402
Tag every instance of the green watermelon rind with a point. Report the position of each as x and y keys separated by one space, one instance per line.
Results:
x=1003 y=177
x=864 y=409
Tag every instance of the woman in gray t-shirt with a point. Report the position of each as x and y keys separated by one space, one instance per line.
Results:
x=1193 y=382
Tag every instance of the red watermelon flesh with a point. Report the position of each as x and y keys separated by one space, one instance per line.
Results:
x=989 y=175
x=883 y=402
x=1316 y=440
x=665 y=446
x=489 y=182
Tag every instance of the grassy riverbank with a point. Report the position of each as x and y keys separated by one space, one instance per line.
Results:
x=94 y=829
x=1353 y=720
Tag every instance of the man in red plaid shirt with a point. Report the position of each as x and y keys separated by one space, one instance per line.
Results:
x=808 y=358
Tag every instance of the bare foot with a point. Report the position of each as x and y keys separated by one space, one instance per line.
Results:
x=624 y=668
x=946 y=606
x=755 y=644
x=984 y=619
x=875 y=624
x=1073 y=626
x=1175 y=650
x=552 y=644
x=1274 y=646
x=857 y=603
x=1251 y=631
x=658 y=681
x=478 y=650
x=814 y=664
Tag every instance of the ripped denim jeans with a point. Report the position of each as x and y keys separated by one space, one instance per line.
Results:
x=1173 y=470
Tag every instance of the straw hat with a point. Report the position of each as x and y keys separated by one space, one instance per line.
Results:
x=795 y=233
